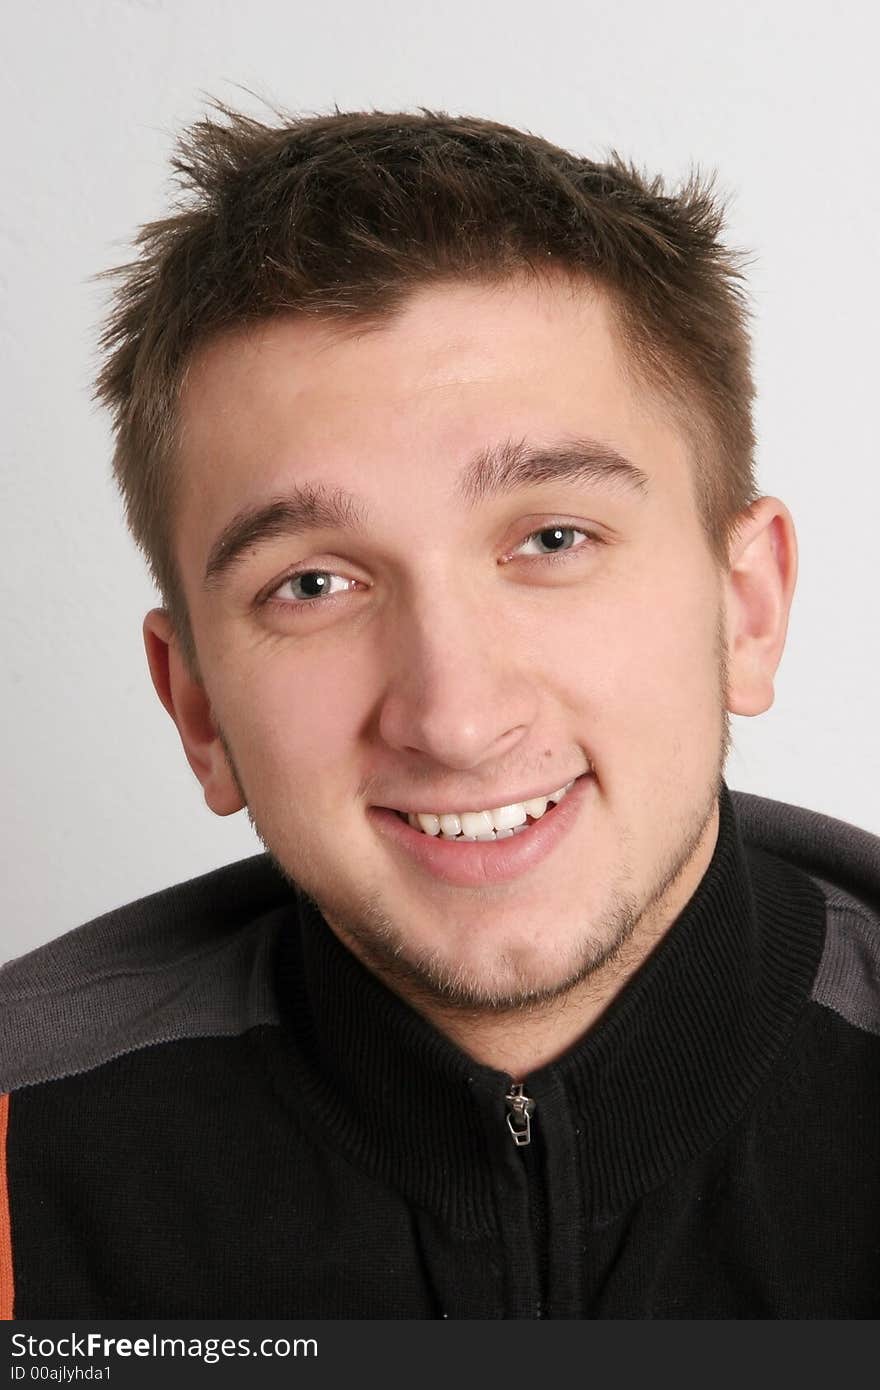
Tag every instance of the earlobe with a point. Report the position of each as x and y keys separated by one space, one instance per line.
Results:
x=759 y=589
x=185 y=699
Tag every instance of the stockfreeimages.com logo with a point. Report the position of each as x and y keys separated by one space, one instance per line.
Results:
x=94 y=1346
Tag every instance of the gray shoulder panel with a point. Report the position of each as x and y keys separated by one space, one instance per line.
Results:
x=191 y=961
x=844 y=862
x=822 y=846
x=848 y=980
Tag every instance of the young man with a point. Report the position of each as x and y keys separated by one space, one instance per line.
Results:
x=437 y=439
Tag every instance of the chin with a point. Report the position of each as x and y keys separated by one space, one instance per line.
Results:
x=520 y=965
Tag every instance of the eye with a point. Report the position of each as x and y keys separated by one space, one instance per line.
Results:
x=310 y=585
x=552 y=540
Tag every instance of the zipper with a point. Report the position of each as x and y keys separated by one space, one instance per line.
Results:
x=520 y=1110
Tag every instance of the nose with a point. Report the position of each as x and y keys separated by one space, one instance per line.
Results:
x=459 y=692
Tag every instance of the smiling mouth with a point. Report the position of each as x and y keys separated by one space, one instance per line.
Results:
x=497 y=823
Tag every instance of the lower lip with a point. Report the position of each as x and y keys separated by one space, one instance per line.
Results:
x=471 y=864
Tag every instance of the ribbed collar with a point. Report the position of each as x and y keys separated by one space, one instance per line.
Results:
x=670 y=1067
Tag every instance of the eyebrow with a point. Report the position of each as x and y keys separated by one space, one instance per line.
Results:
x=495 y=471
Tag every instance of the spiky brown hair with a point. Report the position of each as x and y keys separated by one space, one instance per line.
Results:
x=345 y=215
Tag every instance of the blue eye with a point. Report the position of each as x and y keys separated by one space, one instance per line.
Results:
x=311 y=585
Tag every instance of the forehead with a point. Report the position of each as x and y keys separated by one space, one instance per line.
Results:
x=400 y=407
x=543 y=336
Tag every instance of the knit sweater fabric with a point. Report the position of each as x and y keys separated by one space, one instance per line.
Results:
x=212 y=1110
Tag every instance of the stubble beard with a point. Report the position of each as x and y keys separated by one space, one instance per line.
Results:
x=615 y=944
x=611 y=945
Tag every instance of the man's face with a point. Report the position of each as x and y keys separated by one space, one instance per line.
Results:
x=469 y=602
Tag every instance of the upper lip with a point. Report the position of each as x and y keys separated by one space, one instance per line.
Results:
x=445 y=807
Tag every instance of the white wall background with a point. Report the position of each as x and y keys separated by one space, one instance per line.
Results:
x=98 y=804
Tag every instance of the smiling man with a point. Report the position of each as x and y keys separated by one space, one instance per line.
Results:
x=438 y=441
x=450 y=584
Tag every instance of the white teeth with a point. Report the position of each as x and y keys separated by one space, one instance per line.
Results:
x=486 y=825
x=475 y=823
x=506 y=817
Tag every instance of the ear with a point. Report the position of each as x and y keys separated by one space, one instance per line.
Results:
x=759 y=587
x=185 y=699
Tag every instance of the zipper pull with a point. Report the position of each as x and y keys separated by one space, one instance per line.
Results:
x=519 y=1121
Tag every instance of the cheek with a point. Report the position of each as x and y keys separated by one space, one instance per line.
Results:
x=646 y=667
x=297 y=719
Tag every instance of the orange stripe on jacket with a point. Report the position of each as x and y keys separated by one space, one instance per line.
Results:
x=7 y=1290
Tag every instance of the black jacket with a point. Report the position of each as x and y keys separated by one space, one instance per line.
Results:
x=215 y=1111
